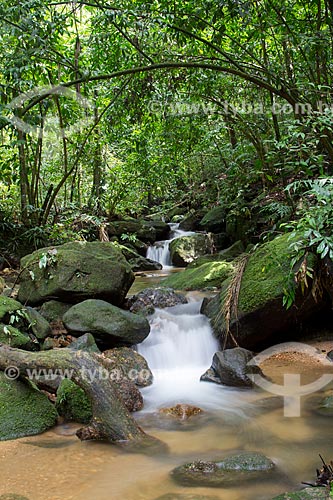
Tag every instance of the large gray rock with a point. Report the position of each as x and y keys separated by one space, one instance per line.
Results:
x=75 y=271
x=107 y=323
x=228 y=471
x=137 y=262
x=140 y=229
x=230 y=367
x=24 y=411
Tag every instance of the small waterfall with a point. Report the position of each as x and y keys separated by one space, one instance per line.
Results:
x=179 y=349
x=159 y=252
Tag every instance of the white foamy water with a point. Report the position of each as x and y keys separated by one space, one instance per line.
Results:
x=179 y=349
x=159 y=252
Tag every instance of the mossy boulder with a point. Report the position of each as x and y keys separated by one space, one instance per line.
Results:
x=108 y=324
x=208 y=275
x=24 y=410
x=143 y=231
x=21 y=327
x=261 y=313
x=214 y=221
x=231 y=470
x=74 y=272
x=306 y=494
x=14 y=338
x=53 y=310
x=129 y=364
x=186 y=249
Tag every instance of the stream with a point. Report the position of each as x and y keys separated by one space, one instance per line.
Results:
x=178 y=350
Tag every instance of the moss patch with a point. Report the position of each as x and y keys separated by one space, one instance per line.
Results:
x=13 y=337
x=72 y=402
x=24 y=411
x=8 y=306
x=210 y=274
x=266 y=274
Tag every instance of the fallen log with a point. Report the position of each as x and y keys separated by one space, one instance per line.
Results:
x=111 y=420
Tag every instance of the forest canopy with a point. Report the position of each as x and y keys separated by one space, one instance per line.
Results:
x=136 y=107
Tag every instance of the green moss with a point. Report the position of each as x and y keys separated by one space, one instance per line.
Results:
x=266 y=274
x=8 y=306
x=13 y=337
x=72 y=402
x=24 y=411
x=210 y=274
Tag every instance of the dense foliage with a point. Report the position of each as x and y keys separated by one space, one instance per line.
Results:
x=135 y=108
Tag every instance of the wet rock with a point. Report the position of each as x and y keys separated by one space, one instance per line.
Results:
x=306 y=494
x=181 y=411
x=162 y=229
x=107 y=323
x=138 y=262
x=131 y=395
x=24 y=410
x=75 y=271
x=230 y=367
x=130 y=364
x=146 y=300
x=228 y=471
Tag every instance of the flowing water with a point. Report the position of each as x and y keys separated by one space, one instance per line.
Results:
x=160 y=250
x=56 y=466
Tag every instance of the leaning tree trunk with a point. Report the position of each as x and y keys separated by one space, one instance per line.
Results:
x=111 y=421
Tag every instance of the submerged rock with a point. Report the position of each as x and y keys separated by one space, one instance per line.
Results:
x=149 y=298
x=185 y=496
x=181 y=411
x=306 y=494
x=228 y=471
x=75 y=271
x=24 y=410
x=107 y=323
x=230 y=367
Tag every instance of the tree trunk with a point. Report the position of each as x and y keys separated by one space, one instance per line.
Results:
x=111 y=421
